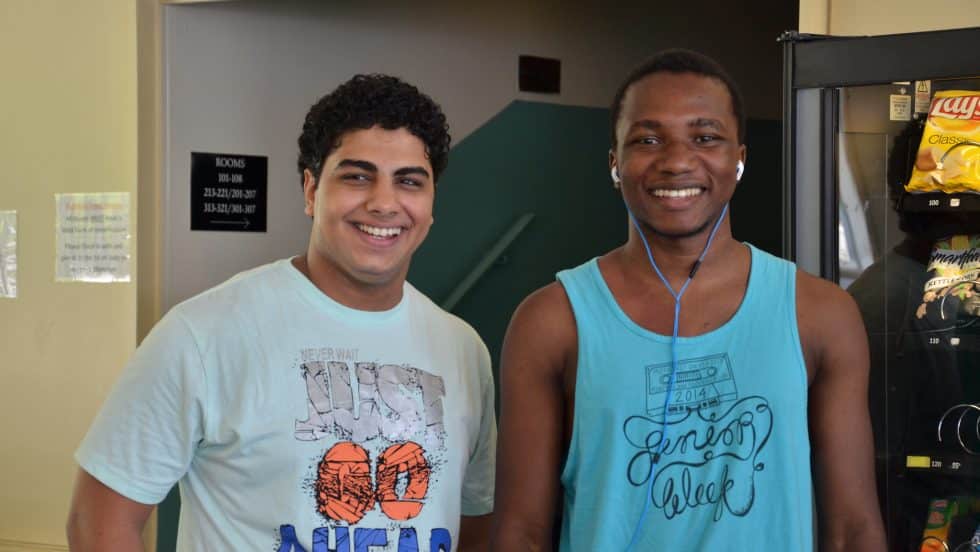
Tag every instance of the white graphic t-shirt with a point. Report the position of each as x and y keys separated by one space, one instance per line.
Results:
x=294 y=423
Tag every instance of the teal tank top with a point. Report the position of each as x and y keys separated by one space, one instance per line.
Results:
x=735 y=470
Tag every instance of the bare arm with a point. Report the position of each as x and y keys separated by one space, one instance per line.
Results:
x=836 y=346
x=474 y=533
x=539 y=343
x=102 y=519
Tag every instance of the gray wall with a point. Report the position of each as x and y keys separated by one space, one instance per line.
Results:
x=239 y=76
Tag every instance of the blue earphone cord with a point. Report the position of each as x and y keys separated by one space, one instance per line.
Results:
x=673 y=351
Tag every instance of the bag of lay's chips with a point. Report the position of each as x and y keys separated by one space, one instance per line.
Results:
x=949 y=154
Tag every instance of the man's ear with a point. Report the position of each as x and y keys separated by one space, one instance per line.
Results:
x=309 y=192
x=614 y=170
x=742 y=152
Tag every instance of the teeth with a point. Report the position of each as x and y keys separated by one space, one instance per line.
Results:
x=378 y=231
x=683 y=192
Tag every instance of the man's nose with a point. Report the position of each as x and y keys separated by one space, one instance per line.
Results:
x=677 y=157
x=383 y=199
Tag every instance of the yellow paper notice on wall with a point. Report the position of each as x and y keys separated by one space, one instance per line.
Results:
x=8 y=254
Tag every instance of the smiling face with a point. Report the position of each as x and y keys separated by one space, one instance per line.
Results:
x=371 y=209
x=677 y=152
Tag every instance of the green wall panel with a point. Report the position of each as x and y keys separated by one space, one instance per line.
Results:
x=545 y=159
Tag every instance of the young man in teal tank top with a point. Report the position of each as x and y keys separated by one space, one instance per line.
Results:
x=671 y=394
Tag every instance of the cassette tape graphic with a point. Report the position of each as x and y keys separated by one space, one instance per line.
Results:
x=701 y=383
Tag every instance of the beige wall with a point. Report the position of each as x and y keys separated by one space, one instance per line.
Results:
x=149 y=59
x=68 y=114
x=876 y=17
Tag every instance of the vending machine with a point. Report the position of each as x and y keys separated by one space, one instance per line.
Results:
x=881 y=176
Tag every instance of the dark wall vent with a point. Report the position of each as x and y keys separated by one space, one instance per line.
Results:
x=538 y=74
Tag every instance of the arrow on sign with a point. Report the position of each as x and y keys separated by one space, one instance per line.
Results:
x=243 y=222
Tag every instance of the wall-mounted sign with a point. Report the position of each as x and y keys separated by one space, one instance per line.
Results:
x=923 y=96
x=8 y=253
x=228 y=192
x=900 y=107
x=92 y=237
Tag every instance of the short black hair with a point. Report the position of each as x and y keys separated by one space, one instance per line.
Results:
x=371 y=100
x=678 y=60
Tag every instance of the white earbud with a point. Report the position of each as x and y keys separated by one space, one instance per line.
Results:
x=739 y=169
x=614 y=174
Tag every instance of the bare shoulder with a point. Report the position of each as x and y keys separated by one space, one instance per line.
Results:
x=548 y=303
x=818 y=299
x=829 y=321
x=542 y=331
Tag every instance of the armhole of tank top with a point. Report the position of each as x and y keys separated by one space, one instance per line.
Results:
x=576 y=281
x=794 y=325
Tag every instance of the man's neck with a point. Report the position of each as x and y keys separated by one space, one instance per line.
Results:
x=343 y=289
x=675 y=257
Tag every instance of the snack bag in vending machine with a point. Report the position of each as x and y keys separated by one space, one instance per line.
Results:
x=948 y=159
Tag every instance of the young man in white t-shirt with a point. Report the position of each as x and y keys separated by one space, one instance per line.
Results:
x=315 y=403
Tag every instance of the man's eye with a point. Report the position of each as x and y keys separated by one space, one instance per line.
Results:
x=706 y=139
x=647 y=140
x=356 y=177
x=411 y=182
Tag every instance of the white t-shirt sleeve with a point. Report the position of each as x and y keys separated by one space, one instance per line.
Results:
x=478 y=482
x=143 y=439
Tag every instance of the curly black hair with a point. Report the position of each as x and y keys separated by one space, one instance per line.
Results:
x=372 y=100
x=678 y=60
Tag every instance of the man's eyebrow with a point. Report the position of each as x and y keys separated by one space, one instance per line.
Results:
x=647 y=124
x=371 y=167
x=358 y=164
x=706 y=123
x=412 y=170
